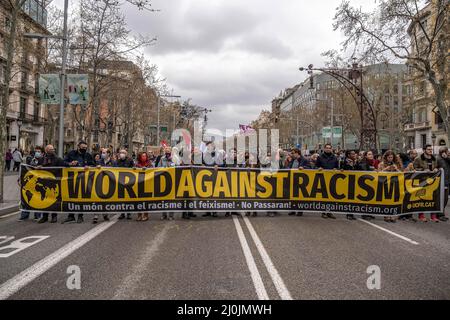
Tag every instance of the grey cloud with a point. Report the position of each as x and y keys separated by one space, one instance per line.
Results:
x=197 y=27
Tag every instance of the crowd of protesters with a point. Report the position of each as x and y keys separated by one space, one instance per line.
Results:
x=326 y=159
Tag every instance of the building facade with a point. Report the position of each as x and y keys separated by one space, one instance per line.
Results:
x=26 y=116
x=306 y=109
x=425 y=125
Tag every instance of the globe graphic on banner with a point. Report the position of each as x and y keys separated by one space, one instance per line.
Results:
x=40 y=189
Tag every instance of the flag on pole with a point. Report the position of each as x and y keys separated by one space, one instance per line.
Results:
x=78 y=88
x=50 y=88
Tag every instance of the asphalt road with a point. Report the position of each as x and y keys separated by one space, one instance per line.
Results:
x=282 y=257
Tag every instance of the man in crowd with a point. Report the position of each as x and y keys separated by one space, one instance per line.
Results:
x=50 y=159
x=327 y=161
x=298 y=162
x=78 y=158
x=17 y=158
x=426 y=162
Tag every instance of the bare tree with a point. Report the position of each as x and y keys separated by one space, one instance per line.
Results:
x=396 y=30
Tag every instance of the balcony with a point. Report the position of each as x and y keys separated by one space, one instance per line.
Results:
x=26 y=88
x=418 y=126
x=31 y=118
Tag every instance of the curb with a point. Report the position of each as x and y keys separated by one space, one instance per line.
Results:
x=9 y=209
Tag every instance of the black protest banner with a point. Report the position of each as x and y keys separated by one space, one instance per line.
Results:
x=181 y=189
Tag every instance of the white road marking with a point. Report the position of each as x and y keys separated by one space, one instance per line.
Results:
x=19 y=281
x=276 y=278
x=9 y=215
x=20 y=245
x=390 y=232
x=256 y=277
x=132 y=281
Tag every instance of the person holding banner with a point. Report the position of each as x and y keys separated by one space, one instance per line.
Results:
x=124 y=161
x=300 y=163
x=426 y=162
x=50 y=159
x=350 y=163
x=390 y=163
x=368 y=163
x=36 y=161
x=105 y=161
x=78 y=158
x=143 y=162
x=165 y=161
x=444 y=163
x=327 y=161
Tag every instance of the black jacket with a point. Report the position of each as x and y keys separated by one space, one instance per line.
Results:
x=444 y=164
x=125 y=163
x=53 y=161
x=83 y=159
x=327 y=161
x=350 y=166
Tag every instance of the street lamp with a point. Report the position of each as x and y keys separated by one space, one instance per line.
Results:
x=63 y=74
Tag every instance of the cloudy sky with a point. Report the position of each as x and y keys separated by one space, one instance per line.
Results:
x=234 y=56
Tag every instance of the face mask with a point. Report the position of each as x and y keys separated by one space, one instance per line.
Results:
x=167 y=155
x=122 y=156
x=83 y=151
x=37 y=154
x=104 y=156
x=51 y=153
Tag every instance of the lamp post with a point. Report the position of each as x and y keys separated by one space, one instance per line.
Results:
x=63 y=74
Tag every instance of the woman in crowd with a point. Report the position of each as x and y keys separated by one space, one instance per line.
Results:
x=369 y=163
x=390 y=163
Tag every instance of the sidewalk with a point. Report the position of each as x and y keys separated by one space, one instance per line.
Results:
x=11 y=194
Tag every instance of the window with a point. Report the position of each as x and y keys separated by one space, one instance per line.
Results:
x=438 y=120
x=36 y=84
x=2 y=74
x=387 y=100
x=23 y=107
x=421 y=89
x=7 y=23
x=24 y=79
x=424 y=140
x=36 y=111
